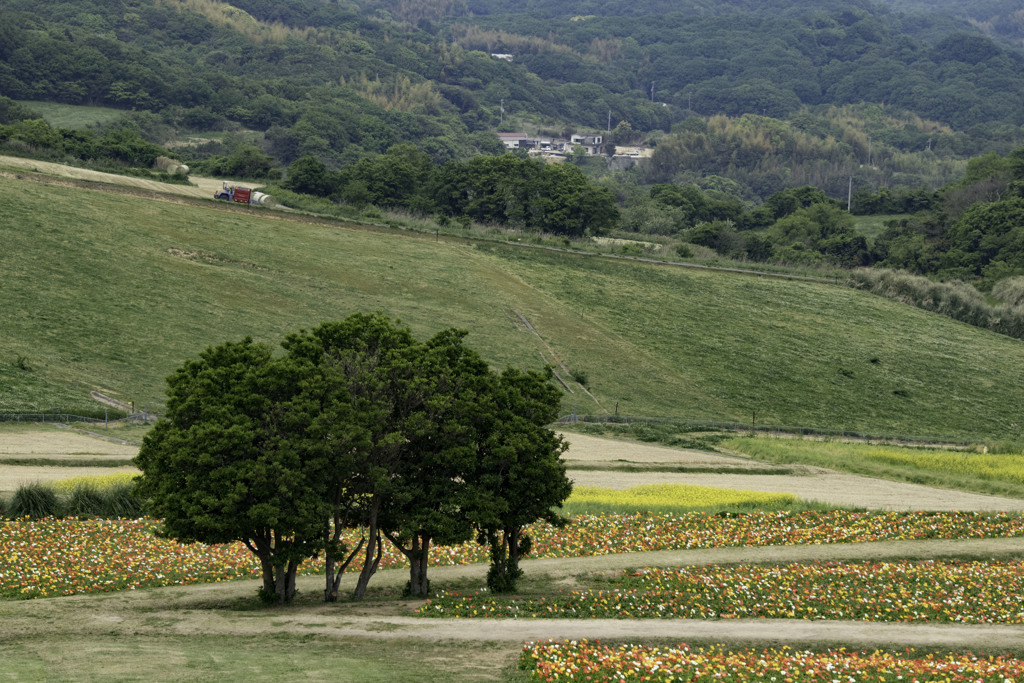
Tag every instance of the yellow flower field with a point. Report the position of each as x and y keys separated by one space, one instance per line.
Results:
x=97 y=481
x=661 y=497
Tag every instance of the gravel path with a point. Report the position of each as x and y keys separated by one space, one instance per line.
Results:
x=202 y=609
x=827 y=486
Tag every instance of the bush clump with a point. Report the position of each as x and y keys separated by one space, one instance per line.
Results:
x=85 y=501
x=35 y=501
x=86 y=498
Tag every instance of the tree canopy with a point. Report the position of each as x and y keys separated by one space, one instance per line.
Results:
x=357 y=424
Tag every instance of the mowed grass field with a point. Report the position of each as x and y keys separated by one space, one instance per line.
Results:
x=112 y=292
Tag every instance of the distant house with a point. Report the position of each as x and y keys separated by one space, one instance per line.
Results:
x=501 y=55
x=514 y=140
x=592 y=143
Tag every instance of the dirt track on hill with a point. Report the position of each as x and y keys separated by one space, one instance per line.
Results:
x=201 y=187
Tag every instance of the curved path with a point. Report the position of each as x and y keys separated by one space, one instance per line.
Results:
x=206 y=608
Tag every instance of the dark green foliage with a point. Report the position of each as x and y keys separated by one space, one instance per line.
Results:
x=525 y=193
x=121 y=502
x=245 y=162
x=11 y=111
x=520 y=469
x=85 y=500
x=224 y=463
x=973 y=231
x=308 y=175
x=35 y=501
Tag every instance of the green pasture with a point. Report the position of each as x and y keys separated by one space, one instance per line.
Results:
x=112 y=293
x=73 y=116
x=870 y=227
x=995 y=474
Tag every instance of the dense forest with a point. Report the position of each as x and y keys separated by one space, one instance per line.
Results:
x=341 y=80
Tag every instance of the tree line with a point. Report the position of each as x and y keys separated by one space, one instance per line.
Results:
x=508 y=190
x=356 y=424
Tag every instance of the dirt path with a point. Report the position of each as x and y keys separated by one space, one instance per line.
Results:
x=201 y=187
x=584 y=448
x=827 y=486
x=207 y=609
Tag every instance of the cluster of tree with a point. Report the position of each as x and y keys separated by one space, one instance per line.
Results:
x=1000 y=19
x=825 y=146
x=27 y=134
x=508 y=190
x=357 y=424
x=974 y=230
x=797 y=225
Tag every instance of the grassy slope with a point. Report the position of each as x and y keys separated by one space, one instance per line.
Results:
x=71 y=115
x=114 y=292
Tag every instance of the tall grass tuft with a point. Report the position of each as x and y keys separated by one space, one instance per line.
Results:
x=35 y=501
x=956 y=299
x=85 y=501
x=120 y=501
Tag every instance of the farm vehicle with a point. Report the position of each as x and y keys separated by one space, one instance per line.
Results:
x=242 y=195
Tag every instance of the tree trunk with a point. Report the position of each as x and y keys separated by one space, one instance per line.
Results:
x=263 y=552
x=418 y=582
x=512 y=542
x=417 y=554
x=371 y=557
x=334 y=576
x=506 y=549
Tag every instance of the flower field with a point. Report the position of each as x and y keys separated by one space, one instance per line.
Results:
x=953 y=592
x=585 y=661
x=669 y=496
x=98 y=481
x=50 y=557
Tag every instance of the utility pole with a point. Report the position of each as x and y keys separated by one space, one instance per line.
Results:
x=609 y=120
x=501 y=116
x=652 y=91
x=849 y=197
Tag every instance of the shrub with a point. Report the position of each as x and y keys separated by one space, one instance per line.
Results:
x=35 y=501
x=1010 y=291
x=85 y=501
x=120 y=501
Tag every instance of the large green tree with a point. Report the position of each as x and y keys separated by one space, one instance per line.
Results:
x=226 y=464
x=520 y=468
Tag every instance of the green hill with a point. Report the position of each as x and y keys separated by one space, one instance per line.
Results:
x=112 y=292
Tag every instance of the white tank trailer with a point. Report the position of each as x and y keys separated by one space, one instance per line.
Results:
x=243 y=195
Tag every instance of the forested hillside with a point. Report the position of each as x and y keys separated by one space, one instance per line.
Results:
x=340 y=80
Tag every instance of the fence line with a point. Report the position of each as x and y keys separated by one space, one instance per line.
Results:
x=573 y=418
x=65 y=418
x=736 y=426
